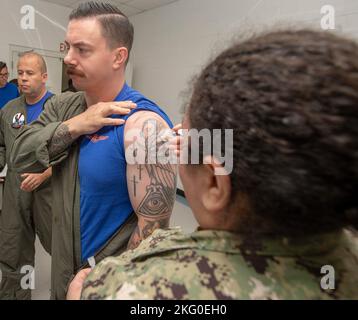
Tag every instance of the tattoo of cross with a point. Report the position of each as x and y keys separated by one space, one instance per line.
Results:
x=140 y=168
x=135 y=182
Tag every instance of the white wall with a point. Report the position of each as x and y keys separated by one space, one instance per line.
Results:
x=46 y=35
x=173 y=42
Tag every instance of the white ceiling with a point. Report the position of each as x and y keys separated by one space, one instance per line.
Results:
x=128 y=7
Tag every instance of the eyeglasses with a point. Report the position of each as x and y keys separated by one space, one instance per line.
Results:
x=4 y=75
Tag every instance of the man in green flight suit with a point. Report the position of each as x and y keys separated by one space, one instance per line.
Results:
x=276 y=227
x=26 y=209
x=102 y=205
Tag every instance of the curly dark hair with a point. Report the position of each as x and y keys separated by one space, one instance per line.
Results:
x=291 y=98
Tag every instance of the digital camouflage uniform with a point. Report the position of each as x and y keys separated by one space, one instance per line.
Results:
x=23 y=213
x=221 y=265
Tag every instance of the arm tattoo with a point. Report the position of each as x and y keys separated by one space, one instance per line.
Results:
x=135 y=182
x=149 y=226
x=159 y=199
x=157 y=204
x=152 y=225
x=60 y=141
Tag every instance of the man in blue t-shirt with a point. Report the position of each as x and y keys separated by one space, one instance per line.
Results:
x=102 y=203
x=26 y=209
x=8 y=91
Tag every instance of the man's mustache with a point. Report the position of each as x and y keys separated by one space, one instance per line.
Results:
x=75 y=73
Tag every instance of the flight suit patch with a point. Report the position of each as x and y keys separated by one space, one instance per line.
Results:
x=18 y=120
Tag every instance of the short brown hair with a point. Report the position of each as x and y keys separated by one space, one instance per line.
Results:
x=116 y=27
x=39 y=58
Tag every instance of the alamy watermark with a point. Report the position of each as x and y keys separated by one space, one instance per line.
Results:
x=328 y=280
x=27 y=281
x=328 y=20
x=28 y=20
x=151 y=146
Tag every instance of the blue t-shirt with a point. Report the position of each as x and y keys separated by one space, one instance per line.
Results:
x=104 y=200
x=33 y=110
x=7 y=93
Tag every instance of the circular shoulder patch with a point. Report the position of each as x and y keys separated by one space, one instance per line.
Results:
x=18 y=120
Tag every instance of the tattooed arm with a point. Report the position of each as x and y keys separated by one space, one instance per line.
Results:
x=60 y=141
x=151 y=184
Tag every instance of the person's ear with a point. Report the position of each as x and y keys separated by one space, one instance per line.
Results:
x=44 y=77
x=217 y=188
x=120 y=57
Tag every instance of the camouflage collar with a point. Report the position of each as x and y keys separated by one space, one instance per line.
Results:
x=267 y=246
x=173 y=239
x=223 y=241
x=289 y=247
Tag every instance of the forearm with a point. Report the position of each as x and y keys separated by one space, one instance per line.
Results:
x=61 y=139
x=66 y=134
x=29 y=152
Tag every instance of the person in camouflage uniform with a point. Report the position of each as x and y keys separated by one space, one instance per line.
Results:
x=220 y=265
x=282 y=224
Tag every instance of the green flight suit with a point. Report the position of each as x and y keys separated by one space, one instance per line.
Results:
x=30 y=154
x=214 y=265
x=23 y=214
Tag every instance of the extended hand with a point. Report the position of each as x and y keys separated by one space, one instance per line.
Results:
x=97 y=117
